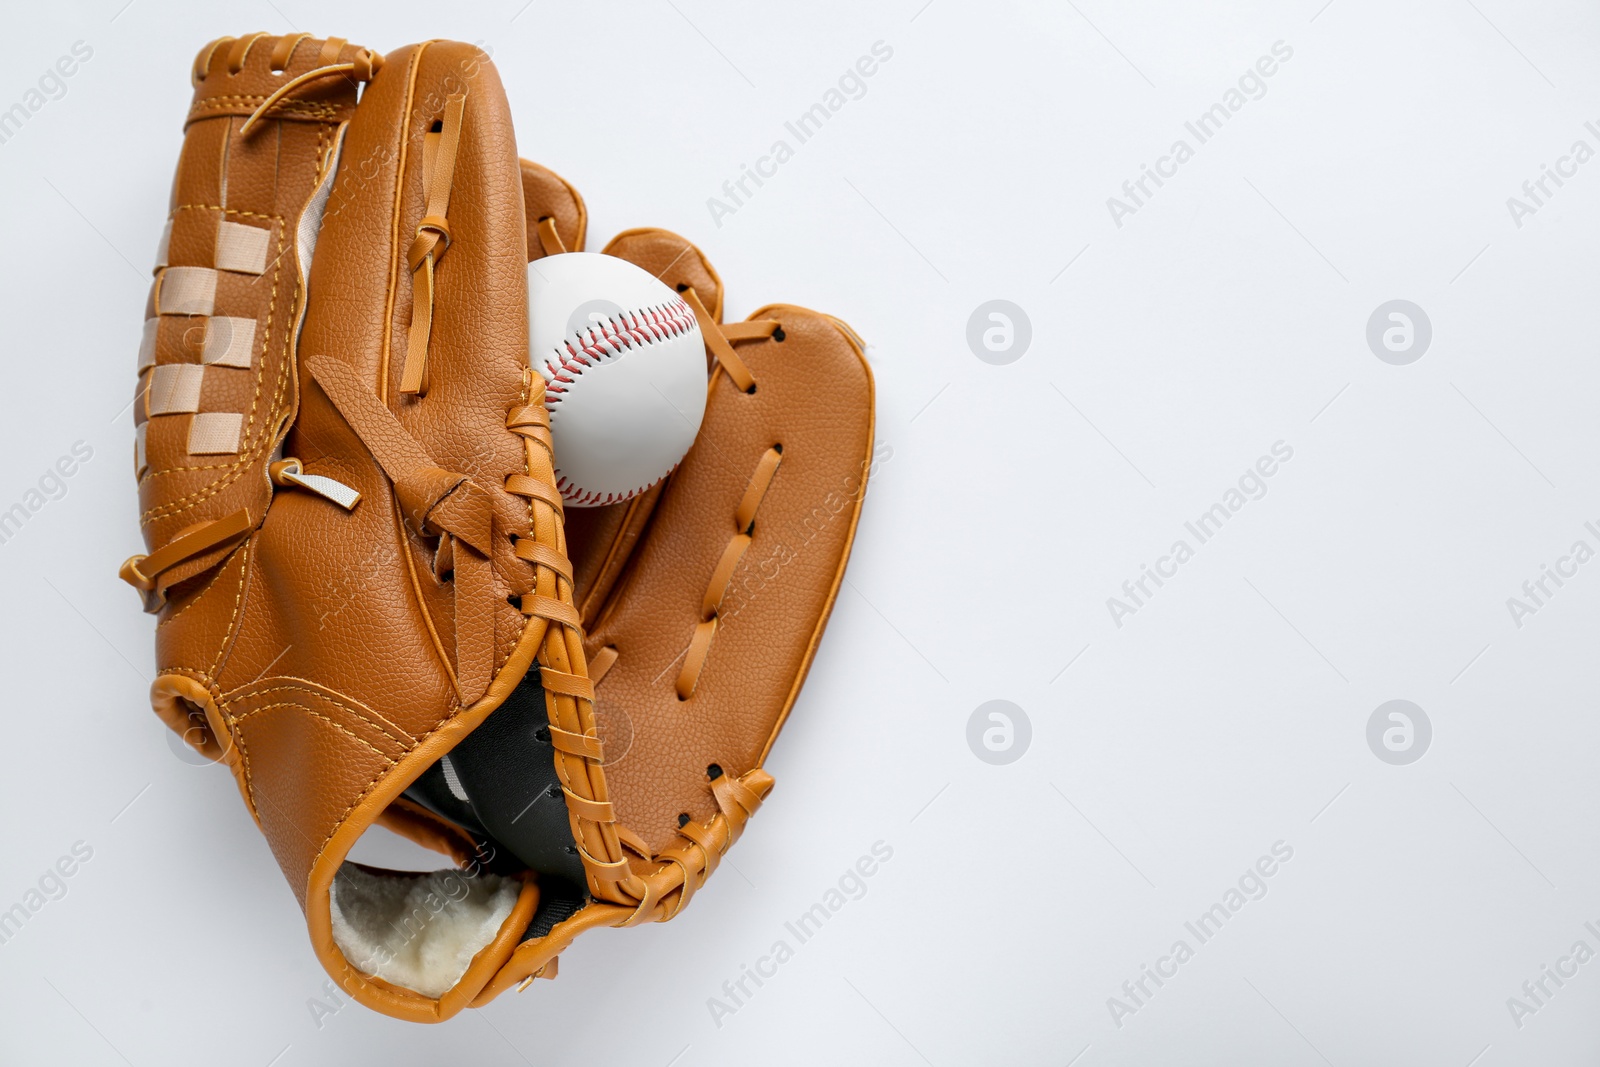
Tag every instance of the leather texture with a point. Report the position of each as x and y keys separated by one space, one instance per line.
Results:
x=382 y=560
x=813 y=390
x=262 y=182
x=641 y=573
x=323 y=652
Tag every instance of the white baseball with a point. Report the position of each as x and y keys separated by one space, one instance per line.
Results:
x=625 y=374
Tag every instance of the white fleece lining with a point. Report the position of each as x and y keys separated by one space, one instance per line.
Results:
x=419 y=931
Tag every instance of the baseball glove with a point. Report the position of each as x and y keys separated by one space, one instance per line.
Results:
x=372 y=605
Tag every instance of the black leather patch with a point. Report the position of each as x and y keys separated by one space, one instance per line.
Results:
x=507 y=769
x=514 y=803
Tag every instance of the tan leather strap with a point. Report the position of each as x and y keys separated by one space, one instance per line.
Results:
x=283 y=51
x=241 y=51
x=633 y=842
x=737 y=799
x=528 y=549
x=400 y=455
x=717 y=343
x=434 y=502
x=438 y=172
x=545 y=607
x=744 y=518
x=602 y=662
x=529 y=419
x=202 y=61
x=576 y=744
x=734 y=797
x=549 y=239
x=144 y=572
x=595 y=810
x=752 y=330
x=605 y=870
x=362 y=69
x=717 y=588
x=532 y=488
x=572 y=685
x=701 y=837
x=695 y=659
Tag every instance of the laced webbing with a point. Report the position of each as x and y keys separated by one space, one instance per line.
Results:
x=569 y=694
x=619 y=863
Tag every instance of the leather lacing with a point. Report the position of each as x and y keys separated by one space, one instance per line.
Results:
x=744 y=519
x=430 y=243
x=550 y=238
x=434 y=502
x=360 y=69
x=147 y=573
x=432 y=240
x=569 y=694
x=604 y=845
x=720 y=339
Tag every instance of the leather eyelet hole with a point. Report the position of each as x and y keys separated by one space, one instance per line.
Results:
x=553 y=792
x=714 y=771
x=683 y=819
x=682 y=288
x=778 y=448
x=779 y=335
x=751 y=391
x=514 y=600
x=542 y=735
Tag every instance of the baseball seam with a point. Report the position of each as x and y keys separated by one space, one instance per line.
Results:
x=592 y=497
x=611 y=338
x=596 y=345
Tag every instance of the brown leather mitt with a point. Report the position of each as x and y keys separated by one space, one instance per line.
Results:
x=371 y=603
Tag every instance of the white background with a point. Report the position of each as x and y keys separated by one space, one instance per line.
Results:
x=1228 y=313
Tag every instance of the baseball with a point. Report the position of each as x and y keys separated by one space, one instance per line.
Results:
x=625 y=374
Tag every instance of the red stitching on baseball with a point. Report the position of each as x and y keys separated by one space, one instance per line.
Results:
x=592 y=498
x=609 y=339
x=599 y=344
